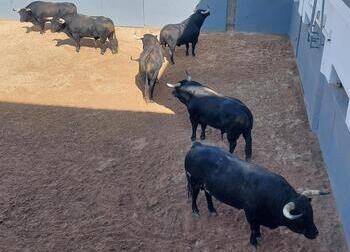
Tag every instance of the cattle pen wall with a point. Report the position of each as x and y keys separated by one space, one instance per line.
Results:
x=139 y=13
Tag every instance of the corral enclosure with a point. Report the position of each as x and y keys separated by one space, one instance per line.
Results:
x=87 y=165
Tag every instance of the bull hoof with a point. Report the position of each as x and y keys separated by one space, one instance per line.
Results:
x=213 y=213
x=202 y=137
x=193 y=55
x=248 y=159
x=193 y=139
x=195 y=214
x=254 y=248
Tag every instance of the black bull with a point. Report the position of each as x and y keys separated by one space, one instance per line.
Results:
x=266 y=198
x=206 y=107
x=184 y=33
x=79 y=26
x=39 y=12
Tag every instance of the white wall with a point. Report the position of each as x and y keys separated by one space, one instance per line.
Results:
x=336 y=51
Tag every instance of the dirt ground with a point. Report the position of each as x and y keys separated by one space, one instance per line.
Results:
x=87 y=165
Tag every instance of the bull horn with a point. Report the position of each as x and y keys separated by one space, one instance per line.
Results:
x=61 y=21
x=15 y=10
x=49 y=18
x=28 y=9
x=189 y=78
x=134 y=59
x=287 y=209
x=206 y=11
x=310 y=193
x=173 y=85
x=137 y=37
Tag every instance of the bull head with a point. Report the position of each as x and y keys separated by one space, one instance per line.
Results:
x=27 y=10
x=287 y=209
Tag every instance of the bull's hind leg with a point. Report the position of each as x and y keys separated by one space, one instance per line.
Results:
x=152 y=85
x=147 y=94
x=203 y=126
x=248 y=145
x=194 y=193
x=211 y=207
x=232 y=139
x=172 y=52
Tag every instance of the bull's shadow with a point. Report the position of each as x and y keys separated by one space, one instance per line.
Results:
x=84 y=42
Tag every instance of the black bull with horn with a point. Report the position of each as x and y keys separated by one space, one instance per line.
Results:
x=266 y=197
x=39 y=12
x=184 y=33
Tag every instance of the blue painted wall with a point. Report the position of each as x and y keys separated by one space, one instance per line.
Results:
x=139 y=13
x=267 y=16
x=309 y=62
x=326 y=107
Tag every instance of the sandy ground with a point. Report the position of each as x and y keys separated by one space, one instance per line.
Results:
x=87 y=165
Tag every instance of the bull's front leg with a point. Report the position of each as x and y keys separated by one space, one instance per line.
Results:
x=37 y=25
x=103 y=44
x=255 y=234
x=194 y=123
x=76 y=38
x=194 y=43
x=95 y=40
x=187 y=49
x=42 y=27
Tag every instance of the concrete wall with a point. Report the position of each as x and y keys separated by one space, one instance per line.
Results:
x=267 y=16
x=326 y=104
x=139 y=12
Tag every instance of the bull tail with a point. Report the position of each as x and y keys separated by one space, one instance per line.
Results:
x=162 y=40
x=189 y=187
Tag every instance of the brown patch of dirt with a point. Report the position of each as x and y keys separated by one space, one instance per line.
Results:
x=87 y=165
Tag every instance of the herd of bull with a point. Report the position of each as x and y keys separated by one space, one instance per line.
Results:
x=266 y=197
